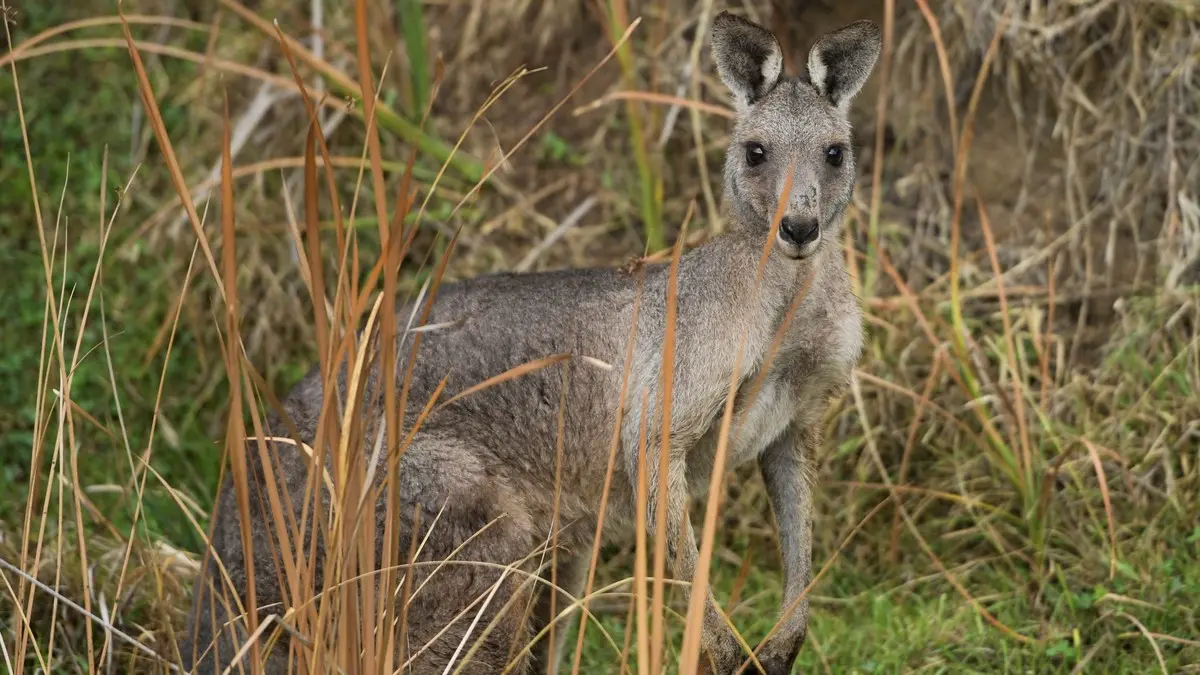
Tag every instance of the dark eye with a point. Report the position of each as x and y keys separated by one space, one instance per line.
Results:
x=833 y=156
x=755 y=154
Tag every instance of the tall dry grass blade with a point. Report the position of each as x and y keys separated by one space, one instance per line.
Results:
x=279 y=506
x=62 y=446
x=613 y=450
x=328 y=432
x=24 y=604
x=366 y=156
x=939 y=46
x=560 y=437
x=235 y=430
x=654 y=97
x=236 y=607
x=16 y=53
x=351 y=554
x=1102 y=478
x=639 y=551
x=139 y=477
x=328 y=162
x=881 y=107
x=358 y=369
x=406 y=591
x=510 y=374
x=68 y=408
x=168 y=150
x=393 y=420
x=366 y=83
x=1020 y=470
x=298 y=569
x=379 y=192
x=690 y=652
x=959 y=332
x=78 y=498
x=1010 y=346
x=780 y=206
x=663 y=503
x=703 y=23
x=316 y=263
x=913 y=427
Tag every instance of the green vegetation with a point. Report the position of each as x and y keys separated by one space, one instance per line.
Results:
x=69 y=154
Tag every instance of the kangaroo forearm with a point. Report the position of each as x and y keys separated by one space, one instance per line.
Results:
x=791 y=503
x=789 y=490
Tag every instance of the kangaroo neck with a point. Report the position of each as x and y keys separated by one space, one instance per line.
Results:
x=774 y=279
x=727 y=282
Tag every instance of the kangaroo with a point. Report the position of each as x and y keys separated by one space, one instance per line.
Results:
x=481 y=471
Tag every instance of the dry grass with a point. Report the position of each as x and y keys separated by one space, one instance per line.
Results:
x=1022 y=433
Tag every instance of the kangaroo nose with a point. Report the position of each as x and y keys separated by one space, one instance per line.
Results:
x=799 y=231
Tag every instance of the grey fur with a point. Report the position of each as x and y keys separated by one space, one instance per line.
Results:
x=749 y=59
x=840 y=62
x=491 y=456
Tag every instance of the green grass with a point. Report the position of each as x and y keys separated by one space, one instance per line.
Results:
x=68 y=155
x=412 y=26
x=866 y=621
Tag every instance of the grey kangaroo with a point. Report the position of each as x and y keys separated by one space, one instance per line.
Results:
x=481 y=471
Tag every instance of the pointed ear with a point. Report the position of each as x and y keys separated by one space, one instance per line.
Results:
x=840 y=62
x=748 y=57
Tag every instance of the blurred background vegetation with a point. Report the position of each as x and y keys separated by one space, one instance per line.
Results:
x=1025 y=238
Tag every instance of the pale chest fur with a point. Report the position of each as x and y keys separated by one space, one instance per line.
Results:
x=796 y=390
x=768 y=416
x=815 y=361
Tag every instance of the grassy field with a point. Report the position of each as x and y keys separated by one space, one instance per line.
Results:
x=1010 y=485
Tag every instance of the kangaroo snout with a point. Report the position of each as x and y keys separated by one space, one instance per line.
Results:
x=800 y=235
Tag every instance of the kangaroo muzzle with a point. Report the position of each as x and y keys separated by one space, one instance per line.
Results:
x=801 y=235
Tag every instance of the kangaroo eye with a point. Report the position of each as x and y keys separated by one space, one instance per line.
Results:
x=833 y=156
x=755 y=154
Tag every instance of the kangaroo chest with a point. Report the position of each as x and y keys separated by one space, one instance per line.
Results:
x=756 y=425
x=815 y=361
x=765 y=419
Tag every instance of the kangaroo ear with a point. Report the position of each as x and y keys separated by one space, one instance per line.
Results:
x=748 y=57
x=840 y=62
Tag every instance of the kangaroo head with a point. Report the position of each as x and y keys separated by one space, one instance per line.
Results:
x=798 y=123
